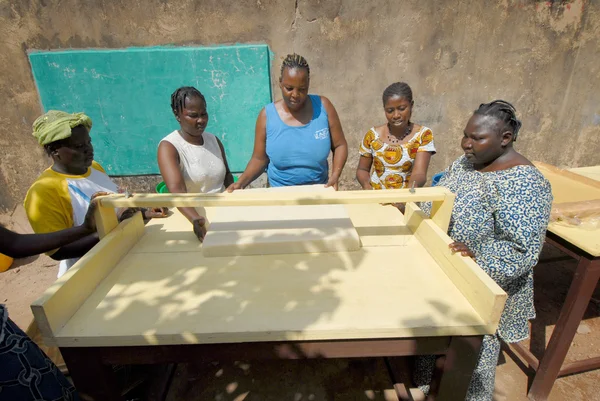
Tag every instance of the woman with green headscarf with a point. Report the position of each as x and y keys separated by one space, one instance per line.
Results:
x=60 y=197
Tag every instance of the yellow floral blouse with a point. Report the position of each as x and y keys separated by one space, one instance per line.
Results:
x=392 y=164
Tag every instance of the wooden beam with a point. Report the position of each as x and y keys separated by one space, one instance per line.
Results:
x=441 y=211
x=106 y=220
x=60 y=302
x=567 y=174
x=251 y=198
x=486 y=297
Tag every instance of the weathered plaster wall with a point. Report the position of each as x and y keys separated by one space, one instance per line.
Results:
x=542 y=56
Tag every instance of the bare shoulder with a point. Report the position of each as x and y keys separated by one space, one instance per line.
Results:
x=326 y=102
x=166 y=146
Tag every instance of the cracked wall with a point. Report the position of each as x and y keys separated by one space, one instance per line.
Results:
x=542 y=56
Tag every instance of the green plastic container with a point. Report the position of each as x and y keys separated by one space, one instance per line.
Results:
x=161 y=188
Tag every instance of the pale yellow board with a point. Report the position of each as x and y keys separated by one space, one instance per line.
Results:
x=570 y=187
x=475 y=285
x=263 y=198
x=377 y=292
x=266 y=230
x=592 y=172
x=386 y=289
x=59 y=302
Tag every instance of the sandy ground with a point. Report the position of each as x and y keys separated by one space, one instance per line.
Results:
x=339 y=380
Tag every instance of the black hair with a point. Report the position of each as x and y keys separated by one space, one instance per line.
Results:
x=178 y=98
x=49 y=148
x=400 y=89
x=502 y=111
x=293 y=61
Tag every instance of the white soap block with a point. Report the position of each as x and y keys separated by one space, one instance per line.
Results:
x=266 y=230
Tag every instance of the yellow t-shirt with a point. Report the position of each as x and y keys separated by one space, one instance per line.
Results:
x=58 y=201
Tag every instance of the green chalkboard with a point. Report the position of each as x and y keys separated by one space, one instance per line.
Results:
x=127 y=93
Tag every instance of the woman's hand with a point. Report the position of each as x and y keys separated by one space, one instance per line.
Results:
x=155 y=212
x=333 y=182
x=90 y=221
x=234 y=186
x=399 y=206
x=199 y=228
x=462 y=248
x=126 y=213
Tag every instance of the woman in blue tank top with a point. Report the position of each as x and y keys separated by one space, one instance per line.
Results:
x=294 y=135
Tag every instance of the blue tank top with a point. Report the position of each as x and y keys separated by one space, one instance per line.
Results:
x=298 y=155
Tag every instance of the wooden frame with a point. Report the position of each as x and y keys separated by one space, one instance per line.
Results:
x=56 y=309
x=441 y=198
x=584 y=247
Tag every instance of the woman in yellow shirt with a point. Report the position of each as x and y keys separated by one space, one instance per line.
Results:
x=60 y=197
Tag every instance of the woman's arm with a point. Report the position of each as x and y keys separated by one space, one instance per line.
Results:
x=339 y=146
x=363 y=171
x=259 y=160
x=419 y=169
x=168 y=163
x=23 y=245
x=228 y=176
x=75 y=241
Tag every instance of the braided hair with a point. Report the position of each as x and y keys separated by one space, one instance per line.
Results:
x=399 y=89
x=178 y=98
x=295 y=61
x=504 y=112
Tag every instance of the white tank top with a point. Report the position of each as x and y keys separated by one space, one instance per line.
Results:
x=202 y=167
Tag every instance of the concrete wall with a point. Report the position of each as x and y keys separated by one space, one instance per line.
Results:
x=542 y=56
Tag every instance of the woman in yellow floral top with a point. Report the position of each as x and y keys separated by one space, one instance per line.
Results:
x=397 y=154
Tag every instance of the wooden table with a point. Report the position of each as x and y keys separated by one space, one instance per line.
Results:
x=584 y=246
x=147 y=294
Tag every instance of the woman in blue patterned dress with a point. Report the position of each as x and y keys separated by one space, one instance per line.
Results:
x=499 y=219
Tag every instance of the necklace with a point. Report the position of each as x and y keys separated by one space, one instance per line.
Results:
x=394 y=139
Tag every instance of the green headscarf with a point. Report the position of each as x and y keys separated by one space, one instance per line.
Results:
x=56 y=125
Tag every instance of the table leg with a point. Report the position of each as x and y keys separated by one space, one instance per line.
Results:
x=581 y=290
x=454 y=370
x=93 y=380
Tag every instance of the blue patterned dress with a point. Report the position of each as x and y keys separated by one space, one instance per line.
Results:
x=26 y=373
x=502 y=217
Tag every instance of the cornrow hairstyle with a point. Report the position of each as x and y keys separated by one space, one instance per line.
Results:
x=400 y=89
x=294 y=61
x=503 y=111
x=178 y=98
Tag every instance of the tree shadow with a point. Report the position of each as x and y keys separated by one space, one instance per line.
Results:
x=164 y=287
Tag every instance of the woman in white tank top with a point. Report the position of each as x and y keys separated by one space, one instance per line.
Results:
x=191 y=160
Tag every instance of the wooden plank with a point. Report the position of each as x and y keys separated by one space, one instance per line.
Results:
x=106 y=220
x=185 y=298
x=264 y=230
x=60 y=302
x=296 y=350
x=441 y=211
x=482 y=292
x=95 y=381
x=255 y=198
x=580 y=366
x=571 y=175
x=570 y=187
x=592 y=172
x=458 y=366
